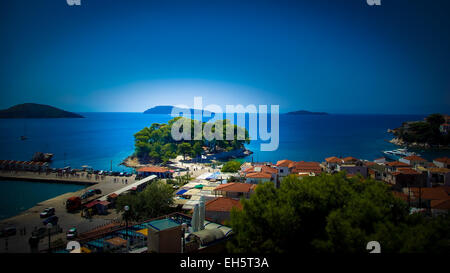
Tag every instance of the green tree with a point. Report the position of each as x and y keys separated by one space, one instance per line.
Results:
x=331 y=213
x=197 y=149
x=184 y=149
x=231 y=166
x=154 y=201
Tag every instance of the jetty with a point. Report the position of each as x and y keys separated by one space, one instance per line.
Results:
x=80 y=178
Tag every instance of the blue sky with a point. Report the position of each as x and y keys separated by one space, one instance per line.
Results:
x=339 y=56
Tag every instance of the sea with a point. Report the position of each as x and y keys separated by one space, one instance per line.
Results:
x=103 y=140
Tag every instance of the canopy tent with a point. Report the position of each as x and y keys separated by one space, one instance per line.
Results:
x=181 y=192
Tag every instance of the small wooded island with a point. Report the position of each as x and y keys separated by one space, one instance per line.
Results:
x=304 y=112
x=155 y=144
x=34 y=110
x=167 y=110
x=431 y=133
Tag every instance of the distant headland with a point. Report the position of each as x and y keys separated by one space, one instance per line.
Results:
x=34 y=110
x=304 y=112
x=430 y=133
x=167 y=110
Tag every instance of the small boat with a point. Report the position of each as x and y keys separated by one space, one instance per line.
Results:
x=23 y=138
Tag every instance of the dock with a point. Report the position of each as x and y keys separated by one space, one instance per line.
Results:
x=80 y=178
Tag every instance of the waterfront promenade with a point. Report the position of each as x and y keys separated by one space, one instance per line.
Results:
x=29 y=219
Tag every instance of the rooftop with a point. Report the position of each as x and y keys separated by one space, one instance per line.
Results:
x=153 y=169
x=235 y=187
x=222 y=204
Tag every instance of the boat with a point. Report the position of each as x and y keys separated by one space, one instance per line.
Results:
x=398 y=153
x=23 y=138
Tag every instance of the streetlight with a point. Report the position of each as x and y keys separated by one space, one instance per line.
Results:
x=49 y=228
x=183 y=232
x=126 y=208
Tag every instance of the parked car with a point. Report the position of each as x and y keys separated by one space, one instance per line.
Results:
x=98 y=191
x=8 y=231
x=71 y=234
x=52 y=220
x=47 y=212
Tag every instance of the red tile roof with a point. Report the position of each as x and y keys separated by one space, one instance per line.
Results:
x=235 y=187
x=443 y=160
x=258 y=175
x=397 y=164
x=333 y=159
x=414 y=158
x=264 y=169
x=284 y=163
x=153 y=169
x=436 y=193
x=222 y=204
x=440 y=204
x=305 y=167
x=349 y=159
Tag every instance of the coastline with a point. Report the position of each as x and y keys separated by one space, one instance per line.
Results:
x=133 y=162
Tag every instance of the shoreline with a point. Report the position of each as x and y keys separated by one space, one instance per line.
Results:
x=132 y=161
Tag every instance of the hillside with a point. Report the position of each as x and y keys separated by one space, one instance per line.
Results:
x=34 y=110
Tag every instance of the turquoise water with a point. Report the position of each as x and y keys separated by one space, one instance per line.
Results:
x=101 y=138
x=17 y=196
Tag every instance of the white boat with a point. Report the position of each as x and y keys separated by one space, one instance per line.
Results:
x=398 y=153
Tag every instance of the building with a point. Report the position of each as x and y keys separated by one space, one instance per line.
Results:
x=435 y=199
x=218 y=209
x=443 y=162
x=381 y=160
x=160 y=172
x=284 y=166
x=438 y=177
x=393 y=166
x=406 y=177
x=413 y=160
x=331 y=163
x=261 y=174
x=172 y=233
x=235 y=190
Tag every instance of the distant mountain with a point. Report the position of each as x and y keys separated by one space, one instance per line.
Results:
x=167 y=110
x=304 y=112
x=34 y=110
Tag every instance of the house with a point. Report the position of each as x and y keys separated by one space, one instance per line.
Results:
x=413 y=160
x=377 y=171
x=160 y=172
x=405 y=177
x=443 y=162
x=381 y=160
x=283 y=167
x=235 y=190
x=332 y=162
x=353 y=169
x=261 y=174
x=393 y=166
x=435 y=198
x=438 y=176
x=218 y=209
x=440 y=207
x=306 y=168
